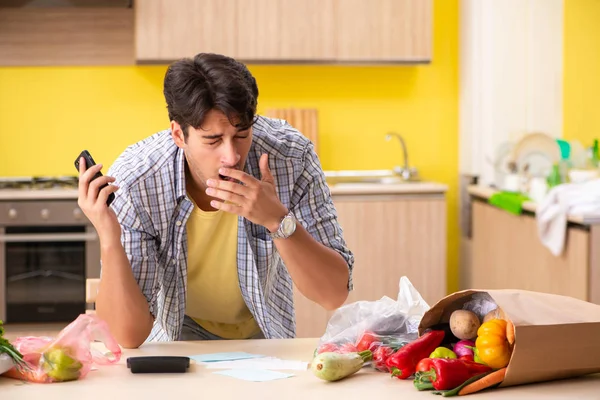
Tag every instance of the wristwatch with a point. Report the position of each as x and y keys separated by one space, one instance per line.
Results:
x=287 y=227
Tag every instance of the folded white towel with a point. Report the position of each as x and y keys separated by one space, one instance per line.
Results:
x=562 y=201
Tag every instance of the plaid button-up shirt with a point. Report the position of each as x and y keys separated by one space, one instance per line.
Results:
x=152 y=207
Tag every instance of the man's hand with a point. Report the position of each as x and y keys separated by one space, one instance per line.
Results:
x=92 y=201
x=255 y=200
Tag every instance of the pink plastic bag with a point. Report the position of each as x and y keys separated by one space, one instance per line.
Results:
x=68 y=357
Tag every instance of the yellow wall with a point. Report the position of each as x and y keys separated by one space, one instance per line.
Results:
x=47 y=115
x=581 y=70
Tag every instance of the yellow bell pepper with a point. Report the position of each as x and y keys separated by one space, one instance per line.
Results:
x=492 y=345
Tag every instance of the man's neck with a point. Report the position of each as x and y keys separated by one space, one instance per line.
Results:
x=197 y=192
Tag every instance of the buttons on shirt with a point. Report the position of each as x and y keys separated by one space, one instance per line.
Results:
x=178 y=223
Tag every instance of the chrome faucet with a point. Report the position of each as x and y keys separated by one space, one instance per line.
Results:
x=406 y=172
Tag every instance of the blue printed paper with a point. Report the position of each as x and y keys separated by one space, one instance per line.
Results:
x=236 y=355
x=254 y=375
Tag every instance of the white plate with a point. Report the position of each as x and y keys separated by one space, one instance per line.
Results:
x=6 y=363
x=539 y=151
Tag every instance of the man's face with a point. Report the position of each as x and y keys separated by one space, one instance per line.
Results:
x=217 y=143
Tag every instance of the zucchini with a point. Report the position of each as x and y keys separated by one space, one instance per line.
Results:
x=335 y=366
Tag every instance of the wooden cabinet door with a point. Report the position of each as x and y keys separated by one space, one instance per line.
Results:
x=390 y=237
x=383 y=30
x=285 y=30
x=508 y=254
x=168 y=30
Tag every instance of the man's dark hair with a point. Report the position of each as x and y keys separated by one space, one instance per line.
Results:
x=195 y=86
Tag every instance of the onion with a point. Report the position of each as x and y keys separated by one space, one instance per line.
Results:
x=462 y=348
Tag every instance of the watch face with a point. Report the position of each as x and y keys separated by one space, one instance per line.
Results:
x=288 y=226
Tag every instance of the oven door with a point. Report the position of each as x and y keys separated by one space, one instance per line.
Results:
x=44 y=272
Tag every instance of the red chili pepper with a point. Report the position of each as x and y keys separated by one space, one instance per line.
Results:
x=449 y=373
x=380 y=356
x=468 y=357
x=403 y=363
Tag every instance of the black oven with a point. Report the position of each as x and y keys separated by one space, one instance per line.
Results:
x=47 y=250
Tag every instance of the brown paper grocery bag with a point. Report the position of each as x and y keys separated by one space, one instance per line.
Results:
x=556 y=336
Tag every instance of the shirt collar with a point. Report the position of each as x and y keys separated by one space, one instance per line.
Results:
x=180 y=191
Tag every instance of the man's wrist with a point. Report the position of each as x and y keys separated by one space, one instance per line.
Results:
x=274 y=226
x=110 y=243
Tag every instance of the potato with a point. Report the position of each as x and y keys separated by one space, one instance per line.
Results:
x=494 y=314
x=464 y=324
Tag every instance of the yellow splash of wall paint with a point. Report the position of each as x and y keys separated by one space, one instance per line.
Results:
x=48 y=115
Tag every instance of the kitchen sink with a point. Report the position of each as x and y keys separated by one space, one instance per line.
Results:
x=349 y=178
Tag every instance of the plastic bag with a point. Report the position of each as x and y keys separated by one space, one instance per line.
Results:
x=480 y=304
x=68 y=357
x=366 y=325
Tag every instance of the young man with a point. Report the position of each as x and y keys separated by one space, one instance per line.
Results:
x=214 y=219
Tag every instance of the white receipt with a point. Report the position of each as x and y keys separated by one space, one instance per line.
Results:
x=270 y=363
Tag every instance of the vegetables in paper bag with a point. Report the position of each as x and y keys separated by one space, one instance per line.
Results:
x=492 y=345
x=335 y=366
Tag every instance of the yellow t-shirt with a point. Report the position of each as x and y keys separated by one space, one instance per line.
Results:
x=214 y=299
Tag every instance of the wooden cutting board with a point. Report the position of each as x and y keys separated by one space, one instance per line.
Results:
x=304 y=120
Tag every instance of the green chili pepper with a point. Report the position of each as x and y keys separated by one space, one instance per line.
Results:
x=442 y=352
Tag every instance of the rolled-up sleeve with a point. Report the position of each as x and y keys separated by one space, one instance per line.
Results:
x=316 y=210
x=139 y=245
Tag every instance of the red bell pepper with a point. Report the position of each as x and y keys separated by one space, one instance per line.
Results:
x=403 y=363
x=449 y=373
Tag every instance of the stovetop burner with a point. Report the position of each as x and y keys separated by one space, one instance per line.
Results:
x=39 y=182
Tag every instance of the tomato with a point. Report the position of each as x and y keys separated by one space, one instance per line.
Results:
x=348 y=348
x=366 y=341
x=466 y=357
x=328 y=348
x=424 y=365
x=380 y=356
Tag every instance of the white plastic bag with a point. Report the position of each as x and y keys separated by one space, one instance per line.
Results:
x=6 y=363
x=387 y=321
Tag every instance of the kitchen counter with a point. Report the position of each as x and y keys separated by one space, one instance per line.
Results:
x=116 y=382
x=38 y=194
x=485 y=192
x=336 y=189
x=503 y=250
x=388 y=188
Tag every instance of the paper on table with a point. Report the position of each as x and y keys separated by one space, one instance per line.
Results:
x=254 y=375
x=237 y=355
x=260 y=363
